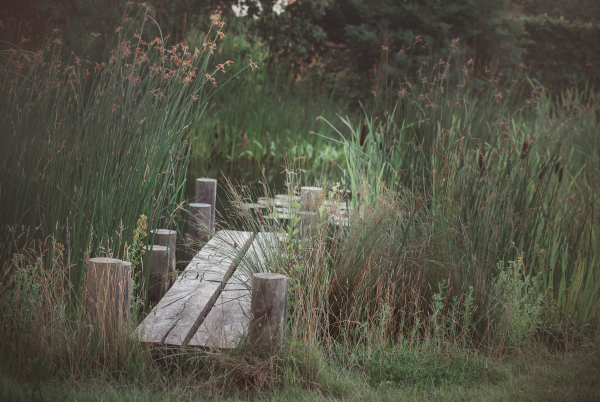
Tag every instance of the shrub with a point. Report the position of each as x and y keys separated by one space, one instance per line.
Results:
x=518 y=304
x=562 y=54
x=359 y=46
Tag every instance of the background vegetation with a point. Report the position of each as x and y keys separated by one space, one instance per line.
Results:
x=469 y=267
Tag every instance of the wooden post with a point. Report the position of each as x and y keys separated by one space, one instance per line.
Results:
x=310 y=197
x=168 y=238
x=206 y=193
x=108 y=287
x=199 y=221
x=269 y=309
x=155 y=260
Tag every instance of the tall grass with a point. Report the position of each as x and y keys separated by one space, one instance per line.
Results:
x=500 y=180
x=89 y=148
x=46 y=334
x=266 y=115
x=459 y=200
x=471 y=227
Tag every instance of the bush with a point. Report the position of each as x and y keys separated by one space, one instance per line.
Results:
x=519 y=304
x=355 y=46
x=562 y=54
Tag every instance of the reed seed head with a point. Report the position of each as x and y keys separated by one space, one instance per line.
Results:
x=560 y=175
x=524 y=149
x=363 y=134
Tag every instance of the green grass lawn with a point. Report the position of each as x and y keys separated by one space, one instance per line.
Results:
x=540 y=377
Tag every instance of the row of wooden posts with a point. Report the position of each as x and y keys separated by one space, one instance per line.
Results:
x=108 y=282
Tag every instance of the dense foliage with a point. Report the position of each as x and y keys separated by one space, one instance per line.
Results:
x=562 y=53
x=353 y=45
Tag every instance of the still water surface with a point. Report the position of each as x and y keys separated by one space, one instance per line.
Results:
x=247 y=173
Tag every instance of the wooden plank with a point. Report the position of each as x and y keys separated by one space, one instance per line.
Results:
x=251 y=205
x=262 y=248
x=178 y=315
x=280 y=216
x=226 y=324
x=171 y=321
x=287 y=197
x=211 y=261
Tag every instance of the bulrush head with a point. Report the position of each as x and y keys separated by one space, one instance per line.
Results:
x=524 y=149
x=363 y=134
x=560 y=175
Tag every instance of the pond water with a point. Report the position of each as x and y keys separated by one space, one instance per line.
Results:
x=247 y=173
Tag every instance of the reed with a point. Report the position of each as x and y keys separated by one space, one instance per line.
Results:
x=90 y=148
x=470 y=232
x=476 y=161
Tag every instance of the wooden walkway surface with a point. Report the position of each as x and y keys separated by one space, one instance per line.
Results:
x=209 y=304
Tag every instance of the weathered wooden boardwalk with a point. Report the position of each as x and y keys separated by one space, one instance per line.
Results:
x=209 y=303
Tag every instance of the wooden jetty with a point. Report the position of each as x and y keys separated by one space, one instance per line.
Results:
x=209 y=304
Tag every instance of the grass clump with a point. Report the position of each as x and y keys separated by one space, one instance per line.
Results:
x=46 y=333
x=93 y=147
x=411 y=366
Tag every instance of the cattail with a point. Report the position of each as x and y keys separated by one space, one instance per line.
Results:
x=524 y=149
x=542 y=171
x=380 y=146
x=556 y=167
x=560 y=174
x=363 y=135
x=480 y=161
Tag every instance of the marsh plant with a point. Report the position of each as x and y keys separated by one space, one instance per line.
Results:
x=91 y=147
x=499 y=179
x=412 y=285
x=96 y=154
x=447 y=187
